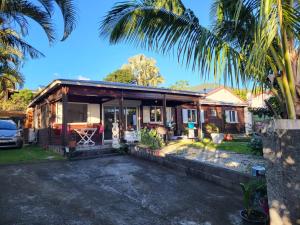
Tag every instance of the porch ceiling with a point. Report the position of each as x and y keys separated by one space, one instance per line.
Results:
x=104 y=94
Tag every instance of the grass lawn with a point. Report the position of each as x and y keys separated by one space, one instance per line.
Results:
x=27 y=154
x=233 y=146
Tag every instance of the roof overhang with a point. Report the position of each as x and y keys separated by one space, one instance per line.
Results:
x=111 y=85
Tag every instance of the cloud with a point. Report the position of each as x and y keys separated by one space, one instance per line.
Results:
x=56 y=75
x=80 y=77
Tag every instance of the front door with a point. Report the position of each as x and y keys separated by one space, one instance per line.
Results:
x=111 y=115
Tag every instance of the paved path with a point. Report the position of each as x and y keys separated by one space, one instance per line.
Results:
x=117 y=190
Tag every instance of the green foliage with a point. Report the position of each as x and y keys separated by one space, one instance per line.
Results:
x=231 y=146
x=211 y=128
x=256 y=144
x=253 y=191
x=180 y=85
x=144 y=70
x=249 y=41
x=27 y=154
x=18 y=101
x=151 y=138
x=121 y=76
x=241 y=93
x=124 y=148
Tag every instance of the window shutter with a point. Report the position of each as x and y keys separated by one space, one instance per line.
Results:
x=236 y=117
x=93 y=113
x=202 y=116
x=227 y=116
x=169 y=114
x=146 y=114
x=59 y=112
x=185 y=118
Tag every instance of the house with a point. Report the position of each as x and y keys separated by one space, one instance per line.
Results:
x=75 y=107
x=224 y=98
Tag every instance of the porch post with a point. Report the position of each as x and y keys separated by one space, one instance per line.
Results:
x=199 y=119
x=64 y=131
x=165 y=111
x=121 y=116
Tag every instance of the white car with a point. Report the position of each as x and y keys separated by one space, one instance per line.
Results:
x=10 y=135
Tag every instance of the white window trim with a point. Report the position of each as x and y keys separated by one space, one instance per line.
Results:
x=215 y=114
x=75 y=123
x=196 y=121
x=230 y=116
x=156 y=122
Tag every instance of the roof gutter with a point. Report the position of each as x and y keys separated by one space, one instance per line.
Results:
x=50 y=87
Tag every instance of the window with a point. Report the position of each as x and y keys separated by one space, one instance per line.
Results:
x=213 y=113
x=231 y=116
x=189 y=115
x=131 y=118
x=155 y=114
x=77 y=113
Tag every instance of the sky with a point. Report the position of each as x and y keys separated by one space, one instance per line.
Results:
x=85 y=55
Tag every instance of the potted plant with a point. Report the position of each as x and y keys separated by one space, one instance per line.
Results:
x=213 y=131
x=254 y=199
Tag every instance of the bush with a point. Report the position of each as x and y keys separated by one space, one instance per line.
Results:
x=256 y=144
x=151 y=138
x=211 y=128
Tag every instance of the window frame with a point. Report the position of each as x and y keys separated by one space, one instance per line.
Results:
x=233 y=114
x=191 y=113
x=213 y=113
x=74 y=103
x=155 y=114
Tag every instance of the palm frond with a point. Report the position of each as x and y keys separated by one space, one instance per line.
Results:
x=161 y=30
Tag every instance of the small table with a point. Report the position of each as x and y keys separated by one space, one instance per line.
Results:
x=86 y=135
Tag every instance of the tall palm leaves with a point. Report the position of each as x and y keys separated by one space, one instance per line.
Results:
x=19 y=11
x=14 y=25
x=143 y=23
x=250 y=40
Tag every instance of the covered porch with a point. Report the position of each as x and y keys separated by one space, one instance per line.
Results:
x=92 y=115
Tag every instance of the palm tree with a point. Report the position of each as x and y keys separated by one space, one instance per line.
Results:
x=19 y=11
x=250 y=40
x=10 y=60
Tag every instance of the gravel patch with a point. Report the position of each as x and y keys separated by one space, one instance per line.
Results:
x=230 y=160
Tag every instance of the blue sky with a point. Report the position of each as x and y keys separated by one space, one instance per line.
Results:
x=84 y=54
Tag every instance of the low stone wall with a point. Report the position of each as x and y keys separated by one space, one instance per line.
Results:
x=225 y=177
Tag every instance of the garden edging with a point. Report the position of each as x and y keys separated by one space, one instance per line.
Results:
x=222 y=176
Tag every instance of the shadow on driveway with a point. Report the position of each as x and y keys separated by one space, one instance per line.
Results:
x=116 y=190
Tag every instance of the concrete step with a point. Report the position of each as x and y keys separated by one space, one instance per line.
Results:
x=88 y=154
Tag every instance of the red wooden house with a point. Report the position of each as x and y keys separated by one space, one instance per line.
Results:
x=68 y=107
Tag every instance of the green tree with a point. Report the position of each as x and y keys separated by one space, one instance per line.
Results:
x=121 y=76
x=18 y=101
x=180 y=85
x=145 y=71
x=249 y=40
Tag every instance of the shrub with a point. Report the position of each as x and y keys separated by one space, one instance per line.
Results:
x=151 y=138
x=211 y=128
x=256 y=144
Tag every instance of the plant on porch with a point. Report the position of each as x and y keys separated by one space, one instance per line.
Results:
x=151 y=138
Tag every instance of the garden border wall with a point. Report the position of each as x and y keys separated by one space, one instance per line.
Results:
x=224 y=177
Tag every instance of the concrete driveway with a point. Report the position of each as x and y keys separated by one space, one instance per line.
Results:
x=116 y=190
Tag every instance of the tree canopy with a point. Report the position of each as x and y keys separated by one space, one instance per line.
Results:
x=121 y=76
x=18 y=101
x=145 y=70
x=180 y=85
